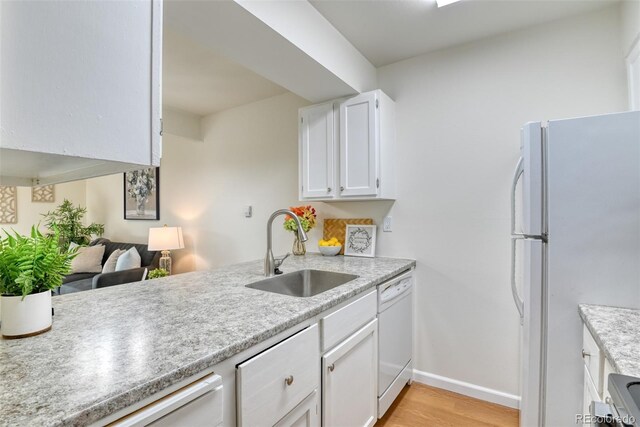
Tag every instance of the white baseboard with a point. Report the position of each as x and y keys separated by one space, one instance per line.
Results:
x=467 y=389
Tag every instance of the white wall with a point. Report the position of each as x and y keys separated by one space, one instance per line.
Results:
x=249 y=157
x=30 y=213
x=459 y=112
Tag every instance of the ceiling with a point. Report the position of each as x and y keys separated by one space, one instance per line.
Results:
x=198 y=81
x=387 y=31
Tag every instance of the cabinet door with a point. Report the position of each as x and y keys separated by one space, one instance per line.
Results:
x=317 y=151
x=349 y=380
x=271 y=384
x=82 y=79
x=607 y=369
x=306 y=414
x=359 y=146
x=590 y=392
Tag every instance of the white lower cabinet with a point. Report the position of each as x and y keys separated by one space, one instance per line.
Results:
x=273 y=383
x=324 y=374
x=199 y=404
x=349 y=380
x=306 y=414
x=596 y=372
x=594 y=383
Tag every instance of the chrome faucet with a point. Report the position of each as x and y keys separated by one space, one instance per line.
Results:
x=271 y=263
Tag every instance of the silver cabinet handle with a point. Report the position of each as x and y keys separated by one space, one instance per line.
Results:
x=585 y=354
x=329 y=190
x=331 y=367
x=289 y=380
x=341 y=188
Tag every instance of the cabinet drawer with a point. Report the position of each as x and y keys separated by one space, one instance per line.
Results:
x=342 y=323
x=275 y=381
x=592 y=358
x=197 y=404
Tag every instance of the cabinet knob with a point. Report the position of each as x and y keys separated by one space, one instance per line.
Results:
x=331 y=367
x=329 y=190
x=341 y=188
x=585 y=354
x=289 y=380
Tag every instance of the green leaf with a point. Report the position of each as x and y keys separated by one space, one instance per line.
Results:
x=32 y=264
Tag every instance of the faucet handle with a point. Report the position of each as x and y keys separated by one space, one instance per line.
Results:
x=278 y=261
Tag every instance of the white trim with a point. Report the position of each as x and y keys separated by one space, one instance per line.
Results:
x=467 y=389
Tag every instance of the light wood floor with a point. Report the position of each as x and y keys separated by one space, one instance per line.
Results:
x=421 y=405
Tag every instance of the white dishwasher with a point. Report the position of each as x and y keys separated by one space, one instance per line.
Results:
x=395 y=338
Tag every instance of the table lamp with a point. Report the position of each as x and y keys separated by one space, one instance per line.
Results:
x=165 y=239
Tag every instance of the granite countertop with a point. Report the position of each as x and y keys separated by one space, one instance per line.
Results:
x=617 y=332
x=112 y=347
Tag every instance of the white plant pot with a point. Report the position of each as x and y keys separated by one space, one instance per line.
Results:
x=25 y=317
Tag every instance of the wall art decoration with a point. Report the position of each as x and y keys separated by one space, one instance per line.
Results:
x=142 y=194
x=43 y=194
x=8 y=205
x=360 y=240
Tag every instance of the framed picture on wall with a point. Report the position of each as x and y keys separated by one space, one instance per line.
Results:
x=360 y=240
x=142 y=194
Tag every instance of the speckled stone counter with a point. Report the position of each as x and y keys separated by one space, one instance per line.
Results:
x=112 y=347
x=617 y=333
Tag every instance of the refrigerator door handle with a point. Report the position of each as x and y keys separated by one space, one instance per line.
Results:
x=516 y=178
x=514 y=289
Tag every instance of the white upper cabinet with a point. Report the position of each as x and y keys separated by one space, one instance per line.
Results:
x=81 y=89
x=317 y=151
x=358 y=144
x=361 y=132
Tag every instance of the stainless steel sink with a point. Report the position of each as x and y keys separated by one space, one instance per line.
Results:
x=303 y=283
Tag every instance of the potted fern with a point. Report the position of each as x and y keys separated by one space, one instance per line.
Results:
x=30 y=268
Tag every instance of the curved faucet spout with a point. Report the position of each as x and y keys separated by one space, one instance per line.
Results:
x=269 y=260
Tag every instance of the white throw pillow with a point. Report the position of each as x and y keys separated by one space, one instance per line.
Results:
x=88 y=259
x=110 y=263
x=128 y=260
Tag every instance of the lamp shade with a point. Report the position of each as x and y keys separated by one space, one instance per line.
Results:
x=165 y=238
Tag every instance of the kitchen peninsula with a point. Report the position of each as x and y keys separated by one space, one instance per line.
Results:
x=113 y=347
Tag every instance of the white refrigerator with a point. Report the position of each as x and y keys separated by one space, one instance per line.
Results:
x=576 y=237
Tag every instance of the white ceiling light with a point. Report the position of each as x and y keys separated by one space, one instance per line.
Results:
x=442 y=3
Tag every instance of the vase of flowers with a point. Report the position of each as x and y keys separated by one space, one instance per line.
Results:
x=141 y=184
x=307 y=216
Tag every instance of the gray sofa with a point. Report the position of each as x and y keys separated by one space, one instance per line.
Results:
x=85 y=281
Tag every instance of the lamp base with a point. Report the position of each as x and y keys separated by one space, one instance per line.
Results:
x=165 y=261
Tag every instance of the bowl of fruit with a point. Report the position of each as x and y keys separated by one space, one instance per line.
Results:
x=329 y=247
